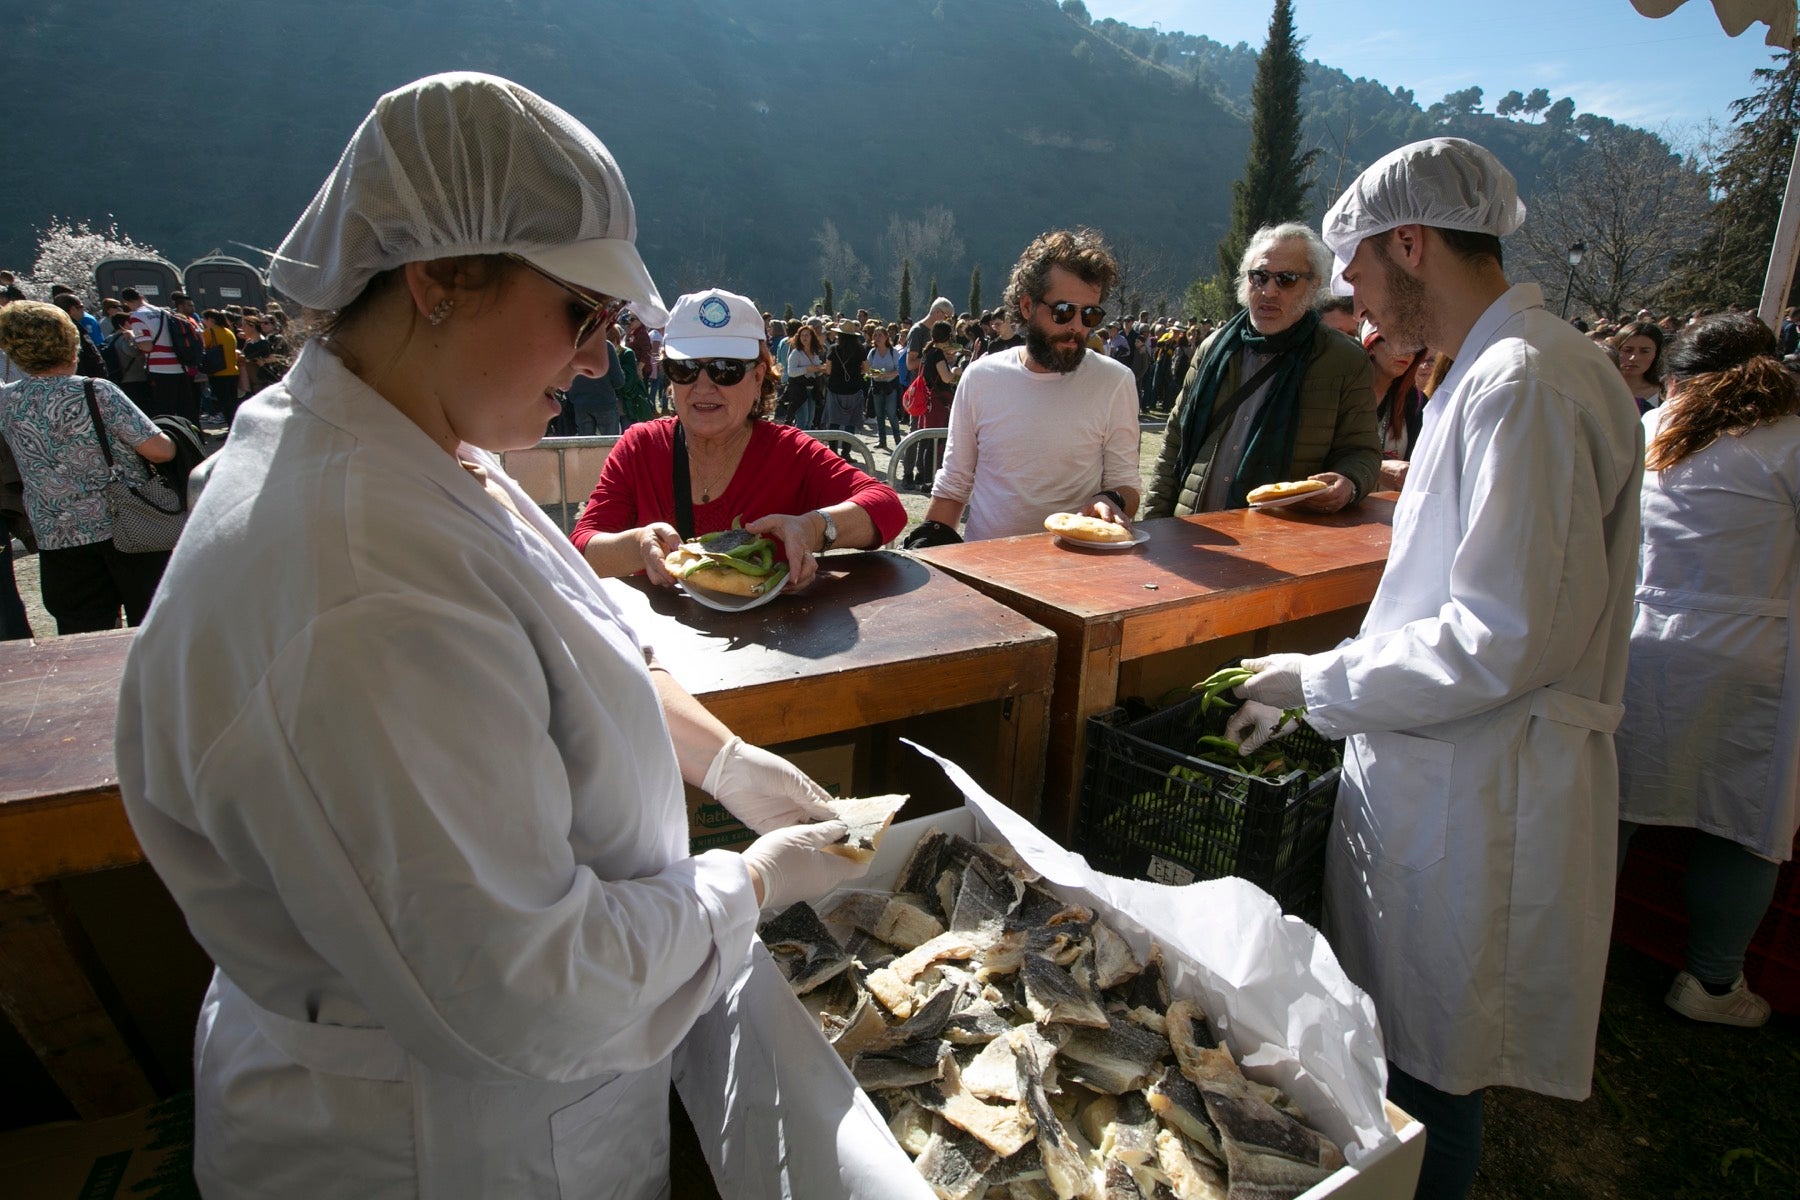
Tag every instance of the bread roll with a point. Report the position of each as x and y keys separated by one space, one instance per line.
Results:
x=1085 y=529
x=1281 y=491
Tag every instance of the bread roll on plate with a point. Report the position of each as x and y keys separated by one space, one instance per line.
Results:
x=1078 y=528
x=1285 y=491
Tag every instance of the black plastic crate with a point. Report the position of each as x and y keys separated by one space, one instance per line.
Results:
x=1150 y=810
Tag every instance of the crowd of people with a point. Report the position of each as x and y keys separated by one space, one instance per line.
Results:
x=1563 y=645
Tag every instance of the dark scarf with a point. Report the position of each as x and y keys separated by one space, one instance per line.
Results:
x=1271 y=445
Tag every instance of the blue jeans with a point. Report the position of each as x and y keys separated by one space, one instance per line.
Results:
x=1727 y=890
x=593 y=421
x=885 y=399
x=1452 y=1134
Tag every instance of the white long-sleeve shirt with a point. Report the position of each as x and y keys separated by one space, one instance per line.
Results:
x=1025 y=444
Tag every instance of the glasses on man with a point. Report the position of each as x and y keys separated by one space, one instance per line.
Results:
x=722 y=371
x=1285 y=280
x=1063 y=311
x=591 y=312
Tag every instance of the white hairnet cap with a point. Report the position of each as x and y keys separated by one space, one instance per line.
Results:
x=1450 y=183
x=464 y=163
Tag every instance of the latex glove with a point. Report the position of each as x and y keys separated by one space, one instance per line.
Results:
x=1254 y=724
x=1276 y=682
x=793 y=865
x=765 y=791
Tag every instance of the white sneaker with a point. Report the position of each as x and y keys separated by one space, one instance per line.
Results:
x=1740 y=1006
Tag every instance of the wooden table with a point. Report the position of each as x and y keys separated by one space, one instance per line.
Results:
x=1197 y=579
x=878 y=638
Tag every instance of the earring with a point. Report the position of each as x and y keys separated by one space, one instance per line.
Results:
x=440 y=311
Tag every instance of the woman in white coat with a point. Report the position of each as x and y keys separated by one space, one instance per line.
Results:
x=415 y=783
x=1711 y=737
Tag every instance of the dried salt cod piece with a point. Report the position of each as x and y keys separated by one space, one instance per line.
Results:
x=1055 y=995
x=897 y=920
x=1065 y=1164
x=1003 y=1128
x=1145 y=1018
x=868 y=818
x=803 y=948
x=1003 y=957
x=891 y=984
x=1191 y=1176
x=1149 y=988
x=1114 y=962
x=1120 y=1058
x=955 y=1165
x=975 y=1020
x=911 y=1126
x=863 y=1030
x=926 y=1023
x=1027 y=1166
x=985 y=898
x=1024 y=1189
x=1178 y=1103
x=1118 y=1183
x=993 y=1074
x=938 y=854
x=1197 y=1049
x=1268 y=1154
x=919 y=875
x=902 y=1066
x=1015 y=866
x=1132 y=1134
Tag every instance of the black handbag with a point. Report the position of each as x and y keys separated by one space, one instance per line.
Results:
x=146 y=517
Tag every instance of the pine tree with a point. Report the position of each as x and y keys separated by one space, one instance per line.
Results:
x=1728 y=268
x=1272 y=189
x=905 y=305
x=787 y=313
x=975 y=289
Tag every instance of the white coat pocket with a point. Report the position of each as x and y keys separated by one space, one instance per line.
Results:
x=1405 y=797
x=613 y=1144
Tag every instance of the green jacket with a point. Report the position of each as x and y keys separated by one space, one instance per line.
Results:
x=1337 y=430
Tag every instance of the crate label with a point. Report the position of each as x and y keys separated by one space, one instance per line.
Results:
x=1161 y=870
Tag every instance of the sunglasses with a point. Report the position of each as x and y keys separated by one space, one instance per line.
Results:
x=1285 y=280
x=1063 y=311
x=722 y=371
x=592 y=312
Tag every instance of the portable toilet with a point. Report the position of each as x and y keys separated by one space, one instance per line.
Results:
x=154 y=277
x=219 y=280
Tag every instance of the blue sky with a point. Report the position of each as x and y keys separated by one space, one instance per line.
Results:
x=1674 y=72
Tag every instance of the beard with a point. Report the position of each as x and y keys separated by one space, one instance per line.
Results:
x=1407 y=326
x=1045 y=352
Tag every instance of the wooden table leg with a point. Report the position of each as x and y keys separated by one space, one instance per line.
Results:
x=48 y=997
x=1019 y=758
x=1087 y=682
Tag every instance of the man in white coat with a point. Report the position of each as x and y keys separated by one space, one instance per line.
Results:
x=1470 y=872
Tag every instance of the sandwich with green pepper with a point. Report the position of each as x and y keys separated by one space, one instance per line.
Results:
x=733 y=561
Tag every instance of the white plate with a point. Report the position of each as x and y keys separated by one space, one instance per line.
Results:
x=1138 y=538
x=726 y=602
x=1284 y=501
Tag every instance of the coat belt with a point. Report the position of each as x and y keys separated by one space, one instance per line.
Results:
x=357 y=1052
x=1578 y=711
x=1743 y=606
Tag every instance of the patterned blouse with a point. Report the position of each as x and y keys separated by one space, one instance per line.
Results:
x=45 y=420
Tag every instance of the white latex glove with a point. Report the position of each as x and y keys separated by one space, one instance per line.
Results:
x=793 y=865
x=765 y=791
x=1276 y=682
x=1254 y=724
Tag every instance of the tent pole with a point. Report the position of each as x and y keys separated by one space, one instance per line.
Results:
x=1786 y=250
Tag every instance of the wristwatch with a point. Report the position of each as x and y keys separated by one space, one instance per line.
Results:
x=831 y=533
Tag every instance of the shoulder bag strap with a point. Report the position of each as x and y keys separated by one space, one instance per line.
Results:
x=87 y=386
x=684 y=487
x=1223 y=412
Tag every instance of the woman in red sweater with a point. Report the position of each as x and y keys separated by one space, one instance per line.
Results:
x=740 y=465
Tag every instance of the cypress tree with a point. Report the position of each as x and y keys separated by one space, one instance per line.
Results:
x=1726 y=270
x=830 y=305
x=1271 y=190
x=905 y=305
x=933 y=293
x=787 y=313
x=975 y=289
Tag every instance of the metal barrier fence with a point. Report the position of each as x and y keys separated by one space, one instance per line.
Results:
x=559 y=473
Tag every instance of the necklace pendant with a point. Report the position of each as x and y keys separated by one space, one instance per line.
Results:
x=705 y=498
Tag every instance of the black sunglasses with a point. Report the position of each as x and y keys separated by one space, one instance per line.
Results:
x=1285 y=280
x=593 y=312
x=723 y=371
x=1063 y=311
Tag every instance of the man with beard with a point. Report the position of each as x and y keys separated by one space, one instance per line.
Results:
x=1469 y=881
x=1273 y=396
x=1048 y=426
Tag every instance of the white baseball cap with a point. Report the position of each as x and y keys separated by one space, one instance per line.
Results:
x=1448 y=183
x=713 y=324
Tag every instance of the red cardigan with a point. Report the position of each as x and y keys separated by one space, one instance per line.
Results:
x=783 y=471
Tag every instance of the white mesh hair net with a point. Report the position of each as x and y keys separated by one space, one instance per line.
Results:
x=464 y=163
x=1449 y=183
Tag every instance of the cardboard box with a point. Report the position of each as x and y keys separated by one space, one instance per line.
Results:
x=146 y=1155
x=710 y=827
